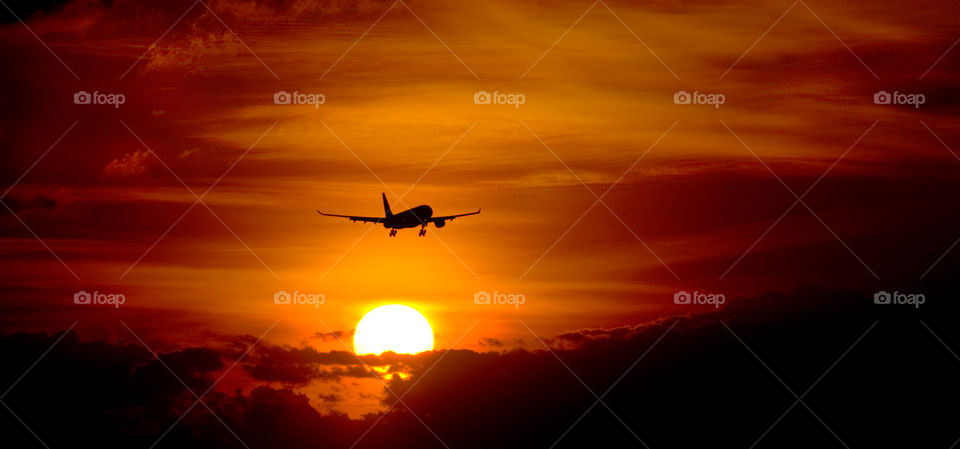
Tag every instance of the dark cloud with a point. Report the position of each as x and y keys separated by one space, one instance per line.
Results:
x=25 y=9
x=35 y=203
x=300 y=366
x=337 y=373
x=288 y=366
x=192 y=365
x=334 y=336
x=698 y=386
x=494 y=342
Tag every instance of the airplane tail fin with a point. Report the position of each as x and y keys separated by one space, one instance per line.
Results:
x=386 y=206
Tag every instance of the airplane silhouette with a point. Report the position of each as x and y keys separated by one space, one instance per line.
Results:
x=418 y=216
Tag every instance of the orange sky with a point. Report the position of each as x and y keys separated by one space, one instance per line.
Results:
x=399 y=118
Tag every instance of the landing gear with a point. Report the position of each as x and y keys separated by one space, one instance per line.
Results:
x=423 y=231
x=393 y=233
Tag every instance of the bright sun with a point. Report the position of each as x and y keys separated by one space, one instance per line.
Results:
x=393 y=327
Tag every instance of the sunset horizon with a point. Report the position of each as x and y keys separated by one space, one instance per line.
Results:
x=406 y=223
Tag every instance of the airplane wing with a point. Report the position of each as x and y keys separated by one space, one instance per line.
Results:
x=355 y=219
x=451 y=217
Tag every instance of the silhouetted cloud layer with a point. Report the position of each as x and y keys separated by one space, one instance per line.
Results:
x=878 y=375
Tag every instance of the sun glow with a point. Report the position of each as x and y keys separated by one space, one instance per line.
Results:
x=393 y=327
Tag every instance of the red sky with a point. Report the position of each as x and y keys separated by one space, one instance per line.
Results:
x=697 y=194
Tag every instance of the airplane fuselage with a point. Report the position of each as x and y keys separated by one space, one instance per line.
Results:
x=418 y=216
x=409 y=218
